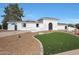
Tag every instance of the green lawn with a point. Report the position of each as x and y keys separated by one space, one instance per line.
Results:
x=57 y=42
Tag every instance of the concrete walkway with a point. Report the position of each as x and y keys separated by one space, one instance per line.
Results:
x=72 y=52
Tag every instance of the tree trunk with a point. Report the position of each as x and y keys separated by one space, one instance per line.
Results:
x=5 y=26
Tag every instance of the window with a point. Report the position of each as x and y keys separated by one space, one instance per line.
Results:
x=24 y=24
x=37 y=25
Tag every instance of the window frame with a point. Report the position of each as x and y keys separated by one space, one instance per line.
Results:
x=24 y=24
x=37 y=25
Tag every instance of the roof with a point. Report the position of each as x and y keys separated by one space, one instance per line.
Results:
x=47 y=18
x=29 y=21
x=62 y=24
x=38 y=21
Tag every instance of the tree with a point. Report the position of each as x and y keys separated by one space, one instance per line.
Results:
x=12 y=13
x=71 y=25
x=77 y=26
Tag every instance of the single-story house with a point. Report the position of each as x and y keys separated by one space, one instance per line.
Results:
x=43 y=24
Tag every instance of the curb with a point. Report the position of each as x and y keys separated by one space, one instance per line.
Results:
x=41 y=46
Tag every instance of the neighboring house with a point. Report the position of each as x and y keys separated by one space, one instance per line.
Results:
x=43 y=24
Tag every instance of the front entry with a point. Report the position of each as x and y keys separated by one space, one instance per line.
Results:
x=50 y=26
x=15 y=27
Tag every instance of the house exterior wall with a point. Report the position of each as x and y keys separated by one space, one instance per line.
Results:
x=61 y=27
x=31 y=26
x=43 y=26
x=46 y=24
x=11 y=26
x=71 y=29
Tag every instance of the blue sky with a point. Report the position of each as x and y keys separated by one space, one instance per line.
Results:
x=67 y=13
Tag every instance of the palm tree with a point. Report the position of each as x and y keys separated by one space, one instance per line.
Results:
x=12 y=13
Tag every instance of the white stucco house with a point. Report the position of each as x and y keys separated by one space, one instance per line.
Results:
x=43 y=24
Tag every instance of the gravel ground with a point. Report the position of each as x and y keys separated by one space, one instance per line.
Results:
x=19 y=44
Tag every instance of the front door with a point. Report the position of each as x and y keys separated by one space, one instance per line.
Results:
x=50 y=26
x=15 y=27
